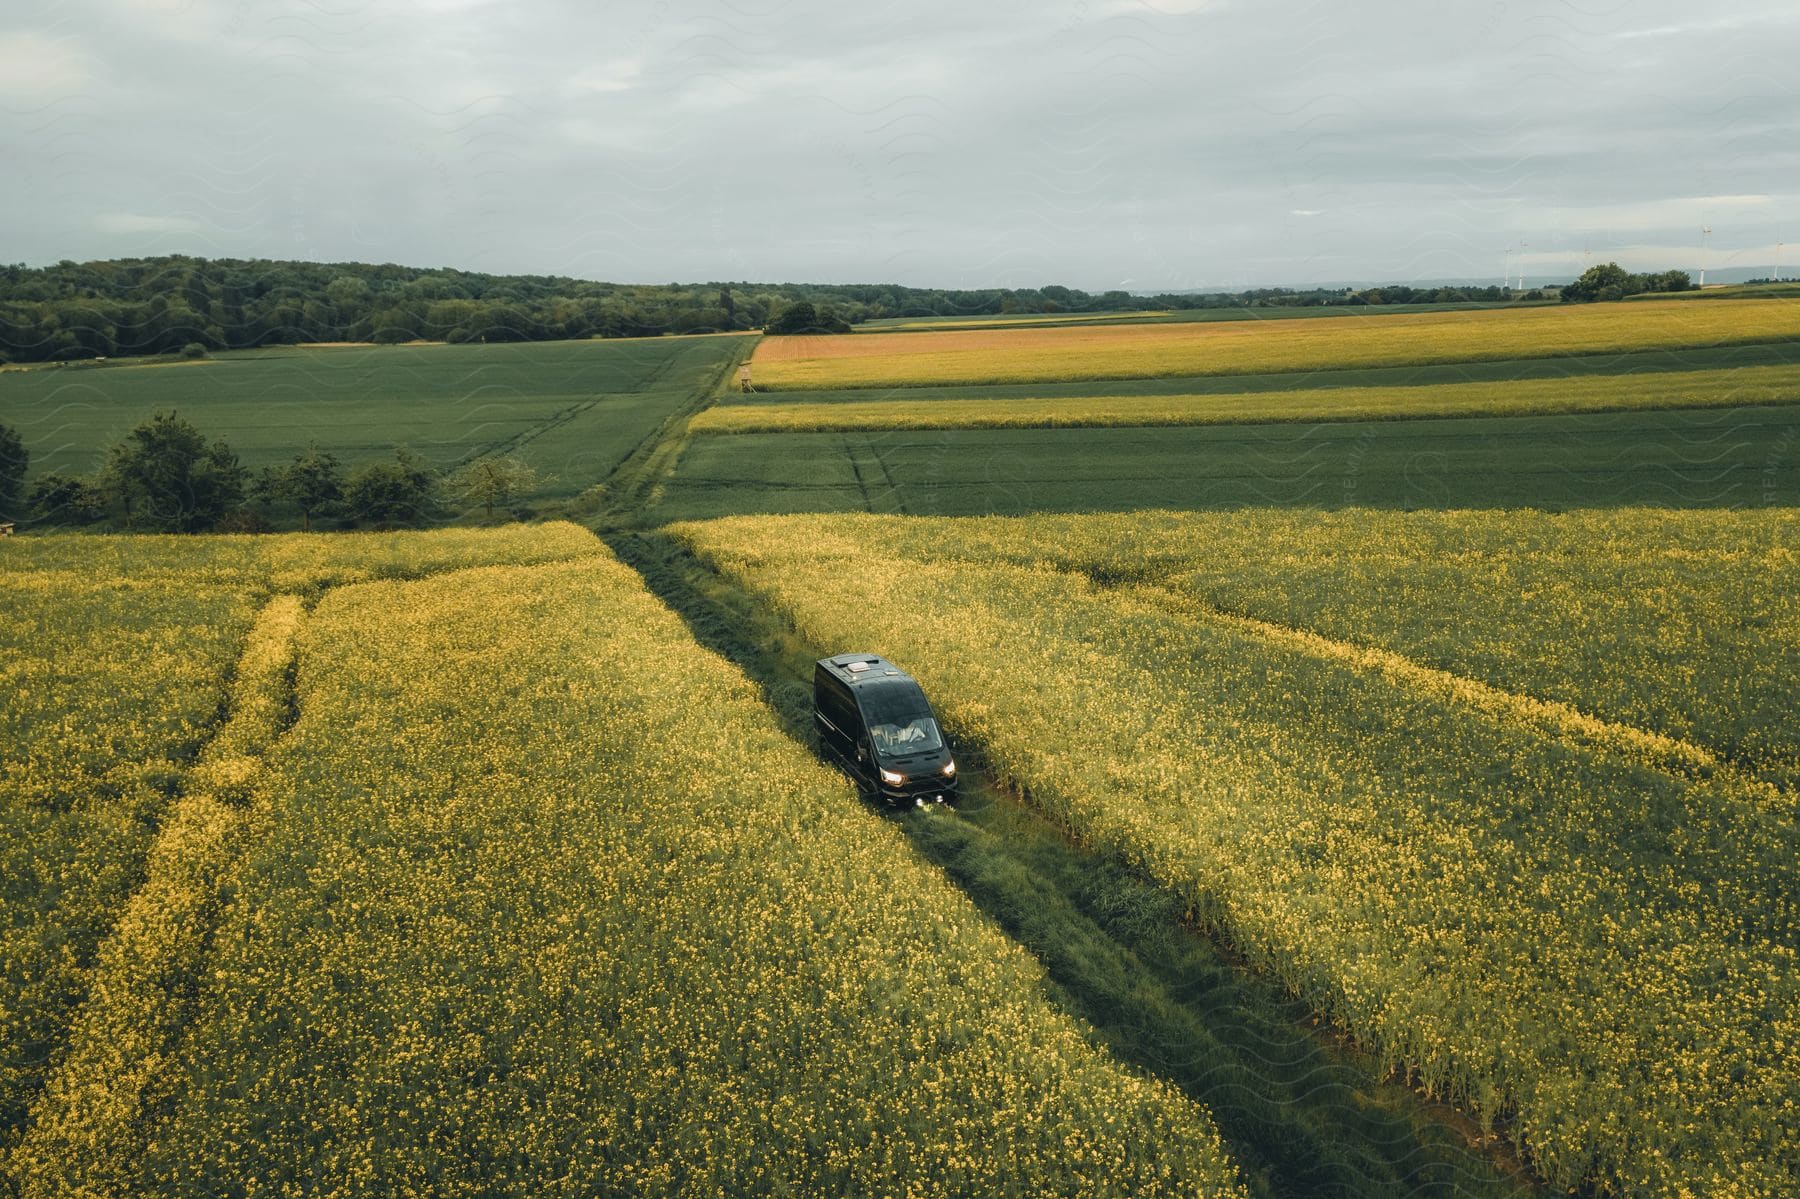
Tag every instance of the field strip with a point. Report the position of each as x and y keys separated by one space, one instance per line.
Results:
x=1741 y=387
x=1124 y=351
x=637 y=482
x=1671 y=755
x=563 y=416
x=137 y=1002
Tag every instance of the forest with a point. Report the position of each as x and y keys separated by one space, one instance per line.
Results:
x=142 y=306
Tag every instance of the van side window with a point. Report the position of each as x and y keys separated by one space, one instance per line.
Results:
x=840 y=709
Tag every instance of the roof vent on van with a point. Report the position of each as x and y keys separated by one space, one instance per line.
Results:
x=857 y=666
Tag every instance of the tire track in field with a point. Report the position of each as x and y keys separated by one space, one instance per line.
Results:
x=862 y=484
x=562 y=416
x=82 y=1131
x=1670 y=755
x=887 y=478
x=526 y=436
x=84 y=1125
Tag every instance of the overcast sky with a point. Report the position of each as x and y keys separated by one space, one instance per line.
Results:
x=1141 y=144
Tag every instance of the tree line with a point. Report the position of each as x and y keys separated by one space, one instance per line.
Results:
x=147 y=306
x=165 y=476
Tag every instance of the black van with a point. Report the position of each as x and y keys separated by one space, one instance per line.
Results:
x=873 y=718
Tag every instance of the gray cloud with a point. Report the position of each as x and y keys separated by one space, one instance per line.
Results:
x=1100 y=143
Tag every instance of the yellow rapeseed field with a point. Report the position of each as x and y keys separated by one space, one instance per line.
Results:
x=133 y=1012
x=107 y=682
x=1537 y=918
x=1684 y=623
x=114 y=659
x=1245 y=347
x=535 y=898
x=1593 y=393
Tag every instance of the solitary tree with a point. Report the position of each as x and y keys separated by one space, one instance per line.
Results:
x=392 y=491
x=801 y=317
x=312 y=482
x=1606 y=281
x=493 y=482
x=804 y=317
x=1610 y=281
x=165 y=471
x=14 y=458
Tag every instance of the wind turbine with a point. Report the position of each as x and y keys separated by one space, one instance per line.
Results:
x=1705 y=232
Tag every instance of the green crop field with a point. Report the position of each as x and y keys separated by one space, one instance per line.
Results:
x=571 y=409
x=1719 y=457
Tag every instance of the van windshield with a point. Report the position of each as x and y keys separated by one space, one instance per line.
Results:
x=916 y=736
x=899 y=719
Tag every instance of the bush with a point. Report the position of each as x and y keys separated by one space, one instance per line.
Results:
x=64 y=499
x=494 y=482
x=312 y=482
x=397 y=491
x=193 y=349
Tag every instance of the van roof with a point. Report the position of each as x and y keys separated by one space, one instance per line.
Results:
x=862 y=668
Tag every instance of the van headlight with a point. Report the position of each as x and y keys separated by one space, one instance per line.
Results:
x=892 y=777
x=950 y=768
